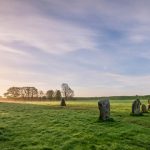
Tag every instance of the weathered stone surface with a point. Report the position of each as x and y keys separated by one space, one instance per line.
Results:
x=104 y=109
x=149 y=104
x=136 y=107
x=63 y=103
x=144 y=109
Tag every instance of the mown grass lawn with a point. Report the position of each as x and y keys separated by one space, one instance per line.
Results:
x=46 y=126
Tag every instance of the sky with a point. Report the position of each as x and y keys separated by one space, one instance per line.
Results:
x=98 y=47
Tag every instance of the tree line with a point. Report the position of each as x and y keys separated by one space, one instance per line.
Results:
x=34 y=93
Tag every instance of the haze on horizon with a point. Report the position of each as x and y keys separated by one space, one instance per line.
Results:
x=98 y=47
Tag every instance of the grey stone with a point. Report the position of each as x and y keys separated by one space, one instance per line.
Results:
x=144 y=109
x=136 y=107
x=63 y=103
x=149 y=104
x=104 y=109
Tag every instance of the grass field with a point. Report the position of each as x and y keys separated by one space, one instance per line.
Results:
x=46 y=126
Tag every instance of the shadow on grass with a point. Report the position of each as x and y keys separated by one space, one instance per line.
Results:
x=137 y=115
x=108 y=121
x=5 y=134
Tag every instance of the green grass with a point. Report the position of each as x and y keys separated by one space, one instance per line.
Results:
x=46 y=126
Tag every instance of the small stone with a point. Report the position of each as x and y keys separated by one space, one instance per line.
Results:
x=63 y=103
x=104 y=109
x=144 y=109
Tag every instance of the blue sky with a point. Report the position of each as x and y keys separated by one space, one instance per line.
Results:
x=98 y=47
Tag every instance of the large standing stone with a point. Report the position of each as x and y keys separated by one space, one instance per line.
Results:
x=149 y=104
x=144 y=109
x=136 y=107
x=104 y=109
x=63 y=103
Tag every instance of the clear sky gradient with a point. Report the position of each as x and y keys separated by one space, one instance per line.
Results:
x=98 y=47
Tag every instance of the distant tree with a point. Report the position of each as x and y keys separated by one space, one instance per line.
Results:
x=41 y=94
x=28 y=92
x=58 y=95
x=22 y=92
x=12 y=92
x=44 y=97
x=67 y=91
x=50 y=94
x=33 y=92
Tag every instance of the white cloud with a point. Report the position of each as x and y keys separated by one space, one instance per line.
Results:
x=46 y=33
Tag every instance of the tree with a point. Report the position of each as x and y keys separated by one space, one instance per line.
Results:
x=50 y=94
x=28 y=92
x=40 y=94
x=67 y=91
x=22 y=92
x=12 y=92
x=33 y=92
x=58 y=95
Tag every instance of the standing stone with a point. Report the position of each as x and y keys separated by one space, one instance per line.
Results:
x=136 y=107
x=149 y=104
x=63 y=103
x=104 y=109
x=144 y=110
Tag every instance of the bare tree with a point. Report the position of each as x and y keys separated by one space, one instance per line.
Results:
x=50 y=94
x=67 y=91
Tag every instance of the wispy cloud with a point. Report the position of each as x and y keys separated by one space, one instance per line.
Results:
x=99 y=47
x=46 y=33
